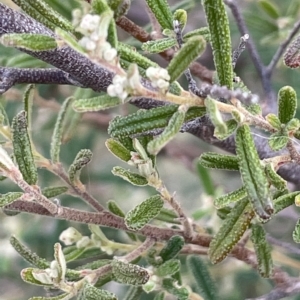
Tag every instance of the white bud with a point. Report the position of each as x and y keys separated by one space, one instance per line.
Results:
x=90 y=22
x=110 y=54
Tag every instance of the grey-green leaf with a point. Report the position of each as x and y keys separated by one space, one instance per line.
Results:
x=95 y=104
x=143 y=213
x=287 y=104
x=133 y=178
x=22 y=148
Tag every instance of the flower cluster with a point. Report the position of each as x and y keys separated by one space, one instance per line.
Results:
x=94 y=39
x=123 y=85
x=159 y=77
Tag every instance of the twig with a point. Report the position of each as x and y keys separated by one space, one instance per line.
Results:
x=281 y=49
x=284 y=245
x=293 y=151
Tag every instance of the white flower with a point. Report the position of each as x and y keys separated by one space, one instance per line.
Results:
x=90 y=22
x=87 y=43
x=83 y=242
x=159 y=77
x=70 y=236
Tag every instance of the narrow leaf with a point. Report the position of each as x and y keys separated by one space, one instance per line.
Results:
x=181 y=16
x=118 y=150
x=145 y=120
x=215 y=116
x=129 y=273
x=58 y=131
x=22 y=148
x=29 y=275
x=40 y=7
x=233 y=228
x=232 y=197
x=274 y=121
x=262 y=250
x=28 y=255
x=83 y=157
x=204 y=31
x=60 y=297
x=192 y=49
x=158 y=46
x=170 y=131
x=275 y=179
x=296 y=233
x=253 y=175
x=54 y=191
x=143 y=213
x=206 y=180
x=219 y=161
x=287 y=104
x=29 y=41
x=95 y=104
x=218 y=25
x=162 y=12
x=8 y=198
x=28 y=100
x=172 y=248
x=204 y=282
x=269 y=8
x=284 y=201
x=170 y=267
x=231 y=126
x=133 y=178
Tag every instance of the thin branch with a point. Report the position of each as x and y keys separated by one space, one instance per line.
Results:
x=287 y=246
x=281 y=49
x=233 y=5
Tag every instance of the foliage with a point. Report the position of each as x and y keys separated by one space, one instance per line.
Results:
x=159 y=255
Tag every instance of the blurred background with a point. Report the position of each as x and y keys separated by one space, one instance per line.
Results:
x=177 y=163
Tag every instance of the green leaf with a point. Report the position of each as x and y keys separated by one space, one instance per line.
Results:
x=252 y=173
x=118 y=150
x=8 y=198
x=274 y=121
x=215 y=116
x=162 y=12
x=29 y=41
x=275 y=179
x=28 y=99
x=28 y=255
x=54 y=191
x=204 y=282
x=89 y=292
x=287 y=104
x=145 y=120
x=170 y=267
x=218 y=25
x=40 y=10
x=278 y=141
x=231 y=126
x=172 y=248
x=233 y=228
x=133 y=178
x=214 y=160
x=95 y=104
x=206 y=180
x=293 y=125
x=170 y=131
x=158 y=46
x=172 y=287
x=284 y=201
x=232 y=197
x=129 y=273
x=181 y=16
x=269 y=8
x=58 y=131
x=160 y=296
x=143 y=213
x=203 y=31
x=262 y=250
x=296 y=233
x=190 y=50
x=83 y=157
x=22 y=148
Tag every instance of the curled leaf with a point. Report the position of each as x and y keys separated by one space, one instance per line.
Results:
x=133 y=178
